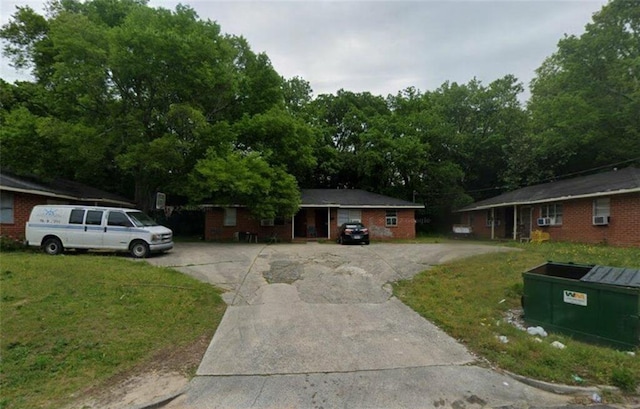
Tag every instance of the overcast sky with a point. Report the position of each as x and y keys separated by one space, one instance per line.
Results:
x=385 y=46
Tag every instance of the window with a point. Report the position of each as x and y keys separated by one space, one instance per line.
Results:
x=266 y=222
x=94 y=217
x=602 y=207
x=391 y=218
x=77 y=216
x=553 y=212
x=496 y=218
x=349 y=215
x=6 y=208
x=118 y=219
x=141 y=219
x=230 y=215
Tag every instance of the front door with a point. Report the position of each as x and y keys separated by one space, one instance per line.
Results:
x=322 y=223
x=524 y=224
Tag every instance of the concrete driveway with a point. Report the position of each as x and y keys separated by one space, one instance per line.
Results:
x=316 y=326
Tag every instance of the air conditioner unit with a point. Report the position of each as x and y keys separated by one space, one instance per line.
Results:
x=600 y=220
x=544 y=221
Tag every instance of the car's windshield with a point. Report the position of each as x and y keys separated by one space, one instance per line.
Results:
x=353 y=226
x=140 y=219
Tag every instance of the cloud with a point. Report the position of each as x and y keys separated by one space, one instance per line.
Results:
x=385 y=46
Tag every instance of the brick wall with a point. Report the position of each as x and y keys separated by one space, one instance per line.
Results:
x=625 y=219
x=374 y=219
x=577 y=224
x=22 y=205
x=478 y=221
x=214 y=230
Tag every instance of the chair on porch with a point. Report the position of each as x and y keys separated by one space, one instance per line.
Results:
x=523 y=235
x=273 y=238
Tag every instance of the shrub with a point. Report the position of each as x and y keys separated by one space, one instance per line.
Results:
x=8 y=243
x=624 y=379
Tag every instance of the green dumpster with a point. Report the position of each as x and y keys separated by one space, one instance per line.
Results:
x=593 y=303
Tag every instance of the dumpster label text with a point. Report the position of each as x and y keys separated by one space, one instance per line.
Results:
x=572 y=297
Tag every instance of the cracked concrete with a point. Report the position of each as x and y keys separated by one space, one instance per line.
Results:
x=317 y=326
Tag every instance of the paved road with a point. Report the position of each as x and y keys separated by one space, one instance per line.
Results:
x=316 y=326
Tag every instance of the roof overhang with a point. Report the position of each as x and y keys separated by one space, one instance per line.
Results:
x=221 y=206
x=66 y=197
x=341 y=206
x=549 y=200
x=326 y=205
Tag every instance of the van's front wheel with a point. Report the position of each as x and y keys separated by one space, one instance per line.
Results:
x=52 y=246
x=139 y=249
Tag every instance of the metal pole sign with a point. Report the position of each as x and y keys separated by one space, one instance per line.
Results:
x=161 y=199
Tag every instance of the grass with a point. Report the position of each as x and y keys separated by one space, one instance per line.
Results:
x=468 y=300
x=72 y=322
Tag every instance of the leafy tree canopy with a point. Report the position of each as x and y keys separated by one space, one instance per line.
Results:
x=585 y=102
x=135 y=96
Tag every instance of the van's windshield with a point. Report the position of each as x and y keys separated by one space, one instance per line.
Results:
x=140 y=219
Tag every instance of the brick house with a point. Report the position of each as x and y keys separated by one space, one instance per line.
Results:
x=599 y=208
x=18 y=195
x=321 y=213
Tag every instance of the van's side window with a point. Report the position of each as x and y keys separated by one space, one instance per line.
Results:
x=118 y=219
x=94 y=217
x=77 y=216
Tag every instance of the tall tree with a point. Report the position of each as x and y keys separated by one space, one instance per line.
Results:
x=297 y=94
x=585 y=101
x=136 y=95
x=245 y=178
x=478 y=123
x=341 y=122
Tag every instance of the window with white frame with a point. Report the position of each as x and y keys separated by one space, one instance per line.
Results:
x=6 y=208
x=553 y=212
x=349 y=215
x=230 y=215
x=391 y=218
x=602 y=207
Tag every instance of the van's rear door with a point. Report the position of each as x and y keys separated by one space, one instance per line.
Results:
x=85 y=229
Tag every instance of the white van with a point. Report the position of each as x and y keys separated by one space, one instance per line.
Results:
x=59 y=227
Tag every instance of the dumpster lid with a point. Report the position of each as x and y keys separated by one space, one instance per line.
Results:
x=627 y=277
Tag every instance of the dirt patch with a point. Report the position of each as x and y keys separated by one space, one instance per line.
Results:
x=284 y=271
x=166 y=373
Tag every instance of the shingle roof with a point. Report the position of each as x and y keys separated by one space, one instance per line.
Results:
x=61 y=188
x=352 y=198
x=601 y=184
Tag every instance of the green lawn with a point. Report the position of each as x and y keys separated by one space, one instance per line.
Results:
x=468 y=300
x=71 y=322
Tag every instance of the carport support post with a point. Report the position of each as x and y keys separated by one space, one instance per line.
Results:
x=293 y=227
x=515 y=222
x=328 y=223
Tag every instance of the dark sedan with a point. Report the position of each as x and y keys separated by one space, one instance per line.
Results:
x=353 y=232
